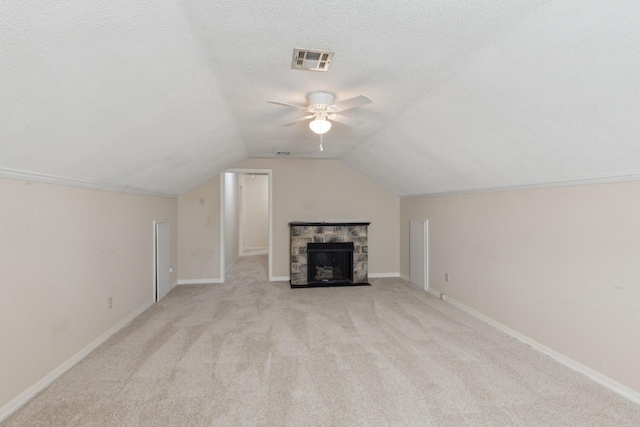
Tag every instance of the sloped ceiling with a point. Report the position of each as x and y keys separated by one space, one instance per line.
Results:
x=467 y=95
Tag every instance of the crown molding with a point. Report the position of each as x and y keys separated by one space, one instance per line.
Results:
x=49 y=179
x=569 y=183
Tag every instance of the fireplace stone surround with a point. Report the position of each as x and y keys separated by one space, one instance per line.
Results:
x=303 y=233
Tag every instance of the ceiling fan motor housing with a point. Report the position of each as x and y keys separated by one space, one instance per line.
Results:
x=320 y=100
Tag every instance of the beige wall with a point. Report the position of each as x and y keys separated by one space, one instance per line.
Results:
x=64 y=251
x=199 y=235
x=329 y=190
x=303 y=190
x=558 y=265
x=231 y=218
x=255 y=211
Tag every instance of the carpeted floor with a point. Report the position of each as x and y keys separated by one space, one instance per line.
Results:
x=254 y=353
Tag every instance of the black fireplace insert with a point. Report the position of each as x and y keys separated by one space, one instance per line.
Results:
x=329 y=263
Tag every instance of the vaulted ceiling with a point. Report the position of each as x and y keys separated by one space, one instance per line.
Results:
x=467 y=95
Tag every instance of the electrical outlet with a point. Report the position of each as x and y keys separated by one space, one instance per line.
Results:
x=170 y=269
x=110 y=303
x=446 y=277
x=202 y=200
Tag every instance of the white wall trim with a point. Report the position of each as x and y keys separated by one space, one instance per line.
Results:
x=601 y=180
x=231 y=265
x=371 y=275
x=222 y=218
x=199 y=281
x=154 y=250
x=436 y=293
x=433 y=292
x=594 y=375
x=382 y=275
x=36 y=388
x=49 y=179
x=405 y=277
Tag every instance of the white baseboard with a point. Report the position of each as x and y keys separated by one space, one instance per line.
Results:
x=594 y=375
x=382 y=275
x=29 y=393
x=198 y=281
x=226 y=271
x=254 y=251
x=433 y=292
x=370 y=275
x=436 y=293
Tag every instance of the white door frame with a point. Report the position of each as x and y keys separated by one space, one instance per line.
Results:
x=269 y=173
x=425 y=249
x=155 y=258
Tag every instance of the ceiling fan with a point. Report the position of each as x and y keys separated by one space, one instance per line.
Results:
x=322 y=111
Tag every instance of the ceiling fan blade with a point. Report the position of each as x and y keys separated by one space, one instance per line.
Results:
x=345 y=120
x=358 y=101
x=299 y=120
x=299 y=107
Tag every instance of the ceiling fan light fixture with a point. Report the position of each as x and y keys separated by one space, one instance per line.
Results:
x=320 y=125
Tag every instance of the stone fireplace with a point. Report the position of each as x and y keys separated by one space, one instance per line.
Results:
x=329 y=254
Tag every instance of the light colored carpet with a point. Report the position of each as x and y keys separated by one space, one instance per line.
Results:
x=254 y=353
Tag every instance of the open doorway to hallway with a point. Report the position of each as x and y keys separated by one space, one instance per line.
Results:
x=254 y=213
x=246 y=215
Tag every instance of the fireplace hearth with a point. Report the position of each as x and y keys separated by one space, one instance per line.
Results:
x=329 y=254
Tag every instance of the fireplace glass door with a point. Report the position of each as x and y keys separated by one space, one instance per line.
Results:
x=329 y=263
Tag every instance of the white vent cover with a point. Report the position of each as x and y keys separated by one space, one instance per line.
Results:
x=312 y=60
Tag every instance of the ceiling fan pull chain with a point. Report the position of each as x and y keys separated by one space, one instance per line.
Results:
x=321 y=149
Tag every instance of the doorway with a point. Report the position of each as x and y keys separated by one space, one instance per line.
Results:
x=254 y=213
x=419 y=253
x=242 y=229
x=162 y=259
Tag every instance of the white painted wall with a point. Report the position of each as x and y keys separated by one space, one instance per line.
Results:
x=255 y=211
x=231 y=218
x=558 y=265
x=199 y=233
x=64 y=251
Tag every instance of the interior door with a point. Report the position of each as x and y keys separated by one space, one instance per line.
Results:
x=418 y=253
x=163 y=275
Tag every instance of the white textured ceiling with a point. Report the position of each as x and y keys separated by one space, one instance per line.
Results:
x=161 y=95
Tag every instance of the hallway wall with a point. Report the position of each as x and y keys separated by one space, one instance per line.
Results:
x=255 y=211
x=199 y=233
x=231 y=218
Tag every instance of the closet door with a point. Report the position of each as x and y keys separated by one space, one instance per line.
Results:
x=418 y=253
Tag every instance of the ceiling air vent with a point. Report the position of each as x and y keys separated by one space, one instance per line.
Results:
x=282 y=153
x=311 y=60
